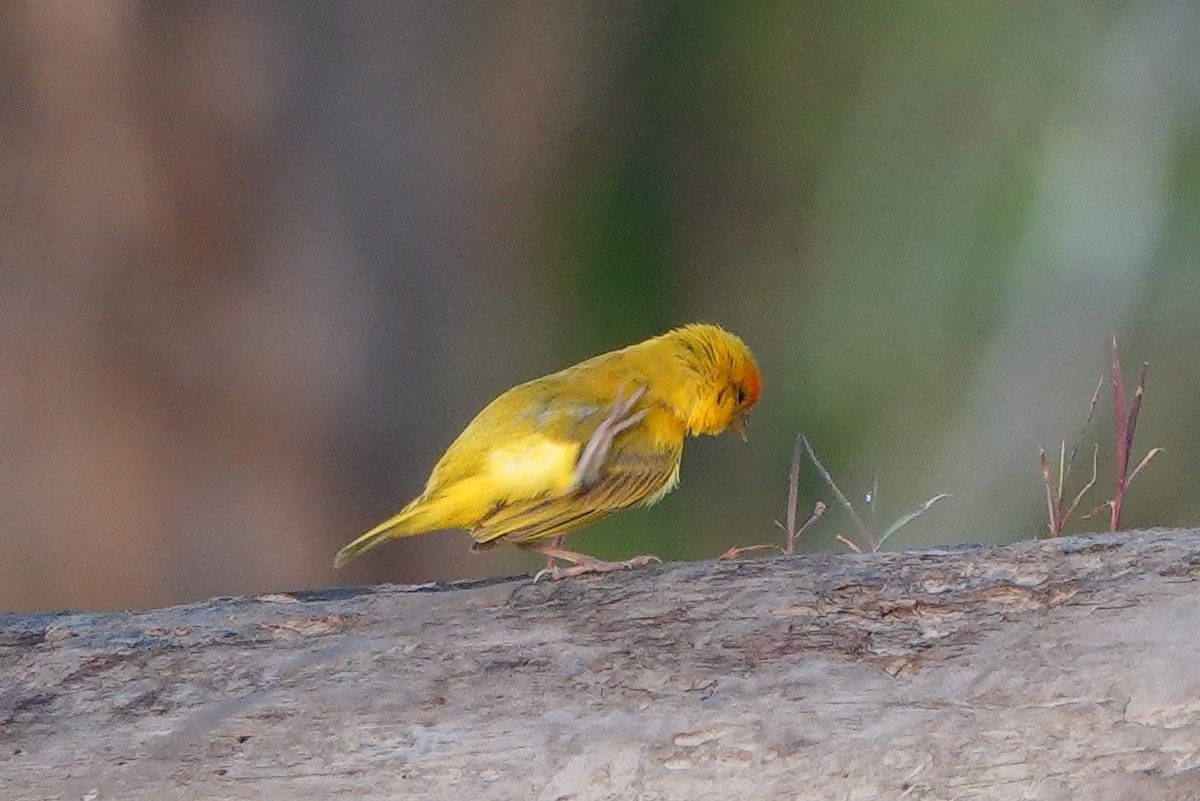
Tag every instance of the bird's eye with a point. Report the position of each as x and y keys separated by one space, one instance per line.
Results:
x=741 y=396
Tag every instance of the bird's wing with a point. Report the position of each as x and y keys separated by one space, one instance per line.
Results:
x=634 y=473
x=530 y=427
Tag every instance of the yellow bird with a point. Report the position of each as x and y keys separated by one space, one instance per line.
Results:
x=558 y=452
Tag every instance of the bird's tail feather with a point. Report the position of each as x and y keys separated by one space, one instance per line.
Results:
x=402 y=524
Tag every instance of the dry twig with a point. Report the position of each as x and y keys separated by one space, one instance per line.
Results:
x=873 y=543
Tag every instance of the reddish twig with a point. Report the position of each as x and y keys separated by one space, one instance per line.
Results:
x=793 y=495
x=1124 y=428
x=851 y=544
x=1120 y=431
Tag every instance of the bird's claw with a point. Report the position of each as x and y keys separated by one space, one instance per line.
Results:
x=616 y=422
x=622 y=405
x=595 y=452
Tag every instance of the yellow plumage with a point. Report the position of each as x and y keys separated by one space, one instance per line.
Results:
x=555 y=453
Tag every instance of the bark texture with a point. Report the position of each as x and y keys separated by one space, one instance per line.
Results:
x=1065 y=669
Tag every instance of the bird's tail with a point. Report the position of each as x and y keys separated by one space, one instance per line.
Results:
x=402 y=524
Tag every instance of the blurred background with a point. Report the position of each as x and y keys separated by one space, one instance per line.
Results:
x=260 y=263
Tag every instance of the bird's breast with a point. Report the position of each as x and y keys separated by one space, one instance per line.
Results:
x=663 y=429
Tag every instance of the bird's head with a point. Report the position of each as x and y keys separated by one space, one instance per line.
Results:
x=724 y=382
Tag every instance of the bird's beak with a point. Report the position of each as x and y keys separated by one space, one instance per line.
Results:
x=738 y=424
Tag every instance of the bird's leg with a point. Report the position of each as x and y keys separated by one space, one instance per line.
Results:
x=591 y=458
x=556 y=543
x=583 y=564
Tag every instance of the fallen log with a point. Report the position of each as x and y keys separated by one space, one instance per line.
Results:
x=1060 y=669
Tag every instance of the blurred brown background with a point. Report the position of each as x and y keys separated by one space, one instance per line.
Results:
x=259 y=263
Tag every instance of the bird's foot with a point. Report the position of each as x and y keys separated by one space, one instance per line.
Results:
x=737 y=550
x=589 y=566
x=595 y=452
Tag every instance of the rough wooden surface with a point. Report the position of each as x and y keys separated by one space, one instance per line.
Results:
x=1066 y=669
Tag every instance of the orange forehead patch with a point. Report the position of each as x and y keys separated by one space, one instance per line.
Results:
x=753 y=384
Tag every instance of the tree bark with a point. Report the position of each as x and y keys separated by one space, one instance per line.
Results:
x=1063 y=669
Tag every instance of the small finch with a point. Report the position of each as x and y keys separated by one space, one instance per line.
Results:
x=562 y=451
